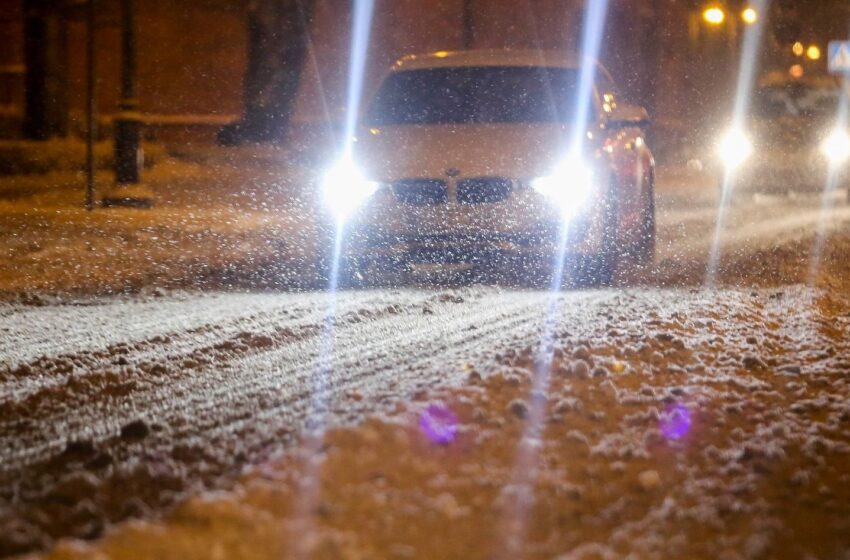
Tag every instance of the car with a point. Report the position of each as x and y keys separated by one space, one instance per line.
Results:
x=790 y=144
x=482 y=161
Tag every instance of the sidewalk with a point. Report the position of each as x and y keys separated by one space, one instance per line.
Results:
x=208 y=216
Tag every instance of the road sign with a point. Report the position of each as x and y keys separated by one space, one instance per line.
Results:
x=839 y=57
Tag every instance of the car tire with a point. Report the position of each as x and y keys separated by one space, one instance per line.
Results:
x=600 y=270
x=592 y=272
x=646 y=247
x=347 y=274
x=609 y=261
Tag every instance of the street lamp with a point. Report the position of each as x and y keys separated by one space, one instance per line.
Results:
x=813 y=52
x=714 y=15
x=128 y=153
x=749 y=15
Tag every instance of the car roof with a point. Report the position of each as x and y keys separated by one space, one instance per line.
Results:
x=486 y=57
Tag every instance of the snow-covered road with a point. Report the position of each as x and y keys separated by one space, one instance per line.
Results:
x=148 y=398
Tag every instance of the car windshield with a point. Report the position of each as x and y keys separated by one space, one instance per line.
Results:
x=477 y=94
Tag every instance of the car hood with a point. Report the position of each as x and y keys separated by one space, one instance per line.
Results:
x=509 y=150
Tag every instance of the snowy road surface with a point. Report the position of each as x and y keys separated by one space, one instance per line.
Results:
x=144 y=399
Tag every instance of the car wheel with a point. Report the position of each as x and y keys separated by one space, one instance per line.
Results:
x=592 y=272
x=600 y=270
x=347 y=273
x=646 y=247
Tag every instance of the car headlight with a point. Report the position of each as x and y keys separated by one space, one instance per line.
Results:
x=344 y=188
x=570 y=186
x=734 y=148
x=836 y=146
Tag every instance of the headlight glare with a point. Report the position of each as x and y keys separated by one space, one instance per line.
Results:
x=836 y=146
x=570 y=185
x=734 y=148
x=344 y=188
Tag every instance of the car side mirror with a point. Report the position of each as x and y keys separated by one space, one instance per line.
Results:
x=628 y=116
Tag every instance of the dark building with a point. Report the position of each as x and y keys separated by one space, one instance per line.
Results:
x=190 y=64
x=194 y=55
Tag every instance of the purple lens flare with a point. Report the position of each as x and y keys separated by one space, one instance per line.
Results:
x=676 y=421
x=439 y=424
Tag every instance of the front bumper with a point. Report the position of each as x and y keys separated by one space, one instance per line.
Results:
x=469 y=246
x=521 y=228
x=783 y=173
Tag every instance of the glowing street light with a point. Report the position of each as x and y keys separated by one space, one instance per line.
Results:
x=749 y=15
x=714 y=15
x=798 y=48
x=813 y=52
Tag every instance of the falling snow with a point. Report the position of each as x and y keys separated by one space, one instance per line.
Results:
x=678 y=421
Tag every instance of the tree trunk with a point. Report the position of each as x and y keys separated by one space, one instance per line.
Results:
x=278 y=39
x=46 y=80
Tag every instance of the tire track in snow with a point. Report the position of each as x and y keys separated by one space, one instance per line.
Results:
x=277 y=311
x=67 y=330
x=395 y=344
x=52 y=395
x=524 y=322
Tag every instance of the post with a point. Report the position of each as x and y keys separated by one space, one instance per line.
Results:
x=90 y=102
x=127 y=121
x=468 y=25
x=128 y=154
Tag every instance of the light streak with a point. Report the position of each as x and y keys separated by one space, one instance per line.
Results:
x=524 y=474
x=832 y=180
x=746 y=79
x=317 y=416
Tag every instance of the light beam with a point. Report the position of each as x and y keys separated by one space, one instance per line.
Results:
x=520 y=489
x=746 y=80
x=837 y=148
x=317 y=416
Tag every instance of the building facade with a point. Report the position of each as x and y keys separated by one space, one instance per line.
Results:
x=191 y=56
x=194 y=55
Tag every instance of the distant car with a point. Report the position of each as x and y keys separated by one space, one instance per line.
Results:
x=791 y=142
x=480 y=160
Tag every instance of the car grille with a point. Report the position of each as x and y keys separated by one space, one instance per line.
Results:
x=421 y=192
x=483 y=190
